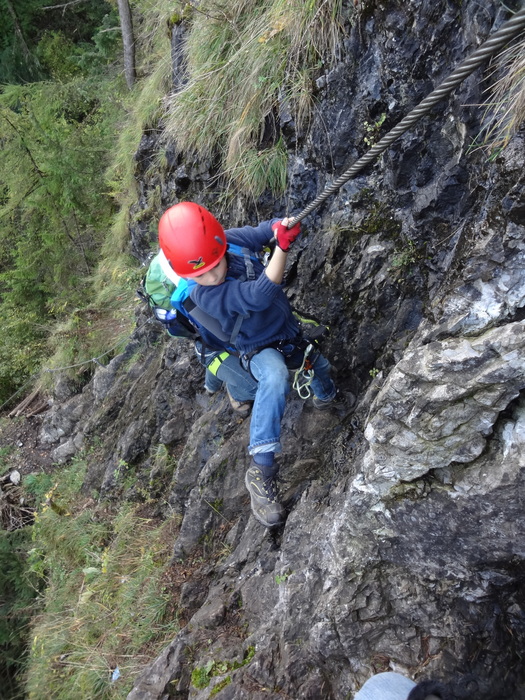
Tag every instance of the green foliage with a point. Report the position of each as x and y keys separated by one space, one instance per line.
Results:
x=53 y=213
x=57 y=137
x=282 y=578
x=23 y=345
x=104 y=604
x=55 y=142
x=25 y=29
x=88 y=337
x=17 y=34
x=37 y=485
x=201 y=675
x=254 y=171
x=372 y=129
x=4 y=458
x=105 y=45
x=145 y=109
x=17 y=595
x=220 y=686
x=406 y=255
x=56 y=53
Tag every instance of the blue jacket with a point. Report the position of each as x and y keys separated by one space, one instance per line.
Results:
x=267 y=311
x=179 y=296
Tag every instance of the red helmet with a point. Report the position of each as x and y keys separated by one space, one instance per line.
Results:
x=191 y=238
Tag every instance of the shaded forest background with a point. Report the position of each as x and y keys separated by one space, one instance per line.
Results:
x=69 y=126
x=63 y=101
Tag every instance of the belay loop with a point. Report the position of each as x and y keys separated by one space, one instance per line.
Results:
x=304 y=375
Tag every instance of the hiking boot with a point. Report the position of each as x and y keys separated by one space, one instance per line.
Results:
x=339 y=401
x=243 y=408
x=263 y=493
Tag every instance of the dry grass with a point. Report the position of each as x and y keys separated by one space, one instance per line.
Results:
x=505 y=112
x=245 y=61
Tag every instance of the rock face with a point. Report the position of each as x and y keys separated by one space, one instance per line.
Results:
x=404 y=545
x=441 y=401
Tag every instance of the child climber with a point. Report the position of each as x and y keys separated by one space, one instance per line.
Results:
x=234 y=290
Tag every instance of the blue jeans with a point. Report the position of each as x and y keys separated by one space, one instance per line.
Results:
x=269 y=368
x=386 y=686
x=241 y=385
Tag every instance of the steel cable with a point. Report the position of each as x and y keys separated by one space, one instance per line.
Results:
x=504 y=34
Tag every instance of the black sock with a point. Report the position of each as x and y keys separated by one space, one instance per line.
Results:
x=265 y=462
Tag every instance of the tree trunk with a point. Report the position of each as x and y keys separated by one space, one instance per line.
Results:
x=128 y=41
x=18 y=32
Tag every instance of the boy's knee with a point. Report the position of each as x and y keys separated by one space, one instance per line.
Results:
x=277 y=380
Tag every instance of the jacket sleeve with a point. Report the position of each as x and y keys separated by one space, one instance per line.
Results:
x=252 y=237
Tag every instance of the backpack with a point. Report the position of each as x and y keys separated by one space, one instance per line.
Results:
x=156 y=289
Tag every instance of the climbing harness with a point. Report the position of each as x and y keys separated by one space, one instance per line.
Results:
x=304 y=375
x=217 y=362
x=504 y=34
x=313 y=332
x=300 y=354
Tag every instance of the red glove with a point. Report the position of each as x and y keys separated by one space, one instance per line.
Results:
x=285 y=236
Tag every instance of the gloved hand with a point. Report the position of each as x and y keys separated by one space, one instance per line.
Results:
x=285 y=236
x=164 y=315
